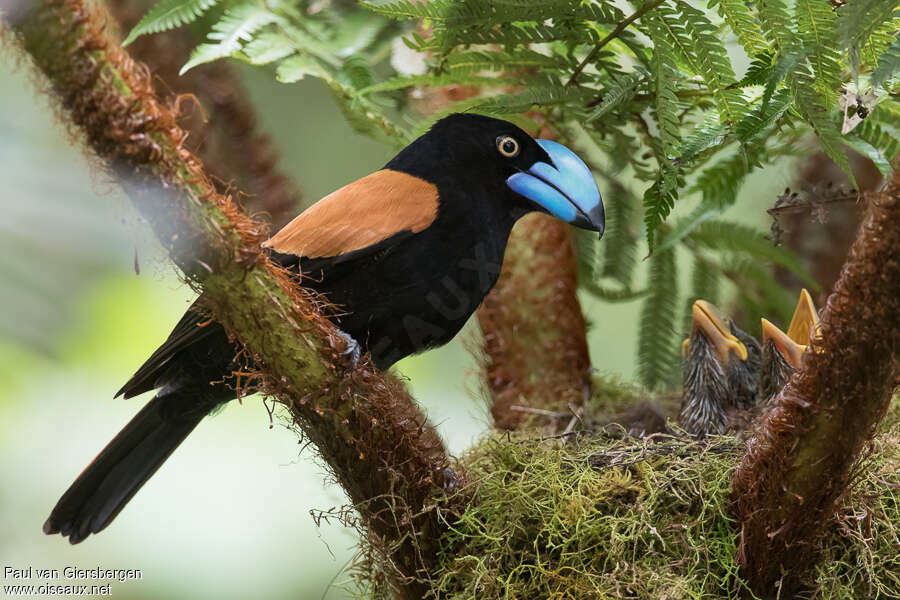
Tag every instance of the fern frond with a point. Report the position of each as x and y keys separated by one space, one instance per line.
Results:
x=619 y=92
x=509 y=36
x=659 y=200
x=663 y=74
x=877 y=157
x=658 y=356
x=453 y=15
x=713 y=63
x=718 y=236
x=169 y=14
x=405 y=10
x=760 y=293
x=295 y=68
x=268 y=47
x=485 y=60
x=817 y=29
x=744 y=23
x=540 y=96
x=857 y=20
x=759 y=70
x=355 y=73
x=611 y=294
x=763 y=117
x=434 y=81
x=880 y=40
x=686 y=225
x=778 y=25
x=810 y=104
x=620 y=247
x=706 y=279
x=709 y=134
x=235 y=27
x=785 y=65
x=883 y=137
x=888 y=65
x=720 y=182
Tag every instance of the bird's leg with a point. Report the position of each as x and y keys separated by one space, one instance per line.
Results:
x=353 y=350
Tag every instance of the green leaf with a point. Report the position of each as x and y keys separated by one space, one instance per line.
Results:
x=618 y=92
x=858 y=19
x=720 y=182
x=620 y=238
x=810 y=104
x=816 y=26
x=664 y=82
x=778 y=25
x=706 y=281
x=268 y=47
x=703 y=212
x=235 y=27
x=433 y=81
x=718 y=236
x=786 y=64
x=548 y=94
x=709 y=134
x=658 y=356
x=762 y=118
x=355 y=73
x=877 y=157
x=169 y=14
x=713 y=63
x=758 y=72
x=297 y=67
x=485 y=60
x=659 y=200
x=882 y=137
x=744 y=23
x=888 y=65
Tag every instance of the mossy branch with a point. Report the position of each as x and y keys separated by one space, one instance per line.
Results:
x=800 y=462
x=535 y=341
x=381 y=449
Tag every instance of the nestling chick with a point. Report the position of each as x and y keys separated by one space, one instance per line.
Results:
x=782 y=351
x=721 y=370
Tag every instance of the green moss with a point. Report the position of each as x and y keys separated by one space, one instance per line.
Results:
x=610 y=518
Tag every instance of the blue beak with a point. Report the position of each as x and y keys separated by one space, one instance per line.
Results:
x=566 y=189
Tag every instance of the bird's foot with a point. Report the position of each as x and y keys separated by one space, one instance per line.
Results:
x=450 y=481
x=353 y=350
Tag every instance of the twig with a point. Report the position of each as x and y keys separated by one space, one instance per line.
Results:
x=612 y=35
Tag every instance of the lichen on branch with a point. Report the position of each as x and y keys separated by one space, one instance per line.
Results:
x=374 y=439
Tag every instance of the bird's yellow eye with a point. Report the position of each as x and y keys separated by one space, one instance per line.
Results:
x=507 y=146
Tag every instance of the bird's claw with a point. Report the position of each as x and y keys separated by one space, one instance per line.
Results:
x=353 y=350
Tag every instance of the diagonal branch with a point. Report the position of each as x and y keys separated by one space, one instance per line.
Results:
x=388 y=459
x=799 y=463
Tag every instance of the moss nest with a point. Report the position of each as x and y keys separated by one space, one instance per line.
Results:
x=611 y=516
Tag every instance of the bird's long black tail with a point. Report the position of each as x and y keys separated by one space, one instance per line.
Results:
x=127 y=462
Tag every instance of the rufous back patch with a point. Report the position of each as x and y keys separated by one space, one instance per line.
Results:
x=358 y=215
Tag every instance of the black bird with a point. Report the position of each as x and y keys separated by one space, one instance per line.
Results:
x=782 y=351
x=405 y=255
x=721 y=371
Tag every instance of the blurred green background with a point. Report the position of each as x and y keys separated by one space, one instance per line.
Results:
x=228 y=515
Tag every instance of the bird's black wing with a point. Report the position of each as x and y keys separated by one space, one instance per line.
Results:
x=193 y=327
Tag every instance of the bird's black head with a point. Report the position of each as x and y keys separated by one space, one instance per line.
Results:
x=497 y=156
x=721 y=370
